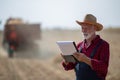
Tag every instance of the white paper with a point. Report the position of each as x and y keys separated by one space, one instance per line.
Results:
x=67 y=47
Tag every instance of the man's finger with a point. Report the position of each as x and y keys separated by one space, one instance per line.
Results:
x=76 y=55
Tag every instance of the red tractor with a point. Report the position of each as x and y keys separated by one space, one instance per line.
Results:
x=18 y=34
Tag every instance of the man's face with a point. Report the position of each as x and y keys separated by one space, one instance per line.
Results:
x=88 y=30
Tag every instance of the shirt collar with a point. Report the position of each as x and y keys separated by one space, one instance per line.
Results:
x=96 y=39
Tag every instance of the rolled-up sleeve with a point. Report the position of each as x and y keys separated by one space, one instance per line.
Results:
x=101 y=65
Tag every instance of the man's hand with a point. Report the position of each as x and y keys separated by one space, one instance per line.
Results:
x=82 y=58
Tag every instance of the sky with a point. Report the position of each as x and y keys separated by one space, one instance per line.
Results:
x=60 y=13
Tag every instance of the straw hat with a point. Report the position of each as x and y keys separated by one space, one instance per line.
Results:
x=91 y=19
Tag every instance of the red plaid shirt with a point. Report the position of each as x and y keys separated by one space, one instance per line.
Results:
x=99 y=62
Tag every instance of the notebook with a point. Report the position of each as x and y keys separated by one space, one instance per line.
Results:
x=67 y=48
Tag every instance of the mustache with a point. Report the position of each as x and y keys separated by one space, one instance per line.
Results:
x=85 y=34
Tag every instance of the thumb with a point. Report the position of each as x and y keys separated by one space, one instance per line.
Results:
x=76 y=55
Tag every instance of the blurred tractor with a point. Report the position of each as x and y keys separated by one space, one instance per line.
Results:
x=19 y=35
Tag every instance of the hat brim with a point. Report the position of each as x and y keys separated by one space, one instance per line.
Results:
x=98 y=26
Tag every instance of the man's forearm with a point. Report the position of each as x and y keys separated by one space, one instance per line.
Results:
x=88 y=61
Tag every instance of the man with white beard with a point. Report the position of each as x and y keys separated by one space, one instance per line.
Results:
x=93 y=56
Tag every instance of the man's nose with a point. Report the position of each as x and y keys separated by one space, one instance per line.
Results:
x=84 y=30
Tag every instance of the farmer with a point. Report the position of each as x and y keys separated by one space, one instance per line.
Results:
x=93 y=56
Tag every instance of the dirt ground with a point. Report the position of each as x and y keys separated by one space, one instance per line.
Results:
x=44 y=61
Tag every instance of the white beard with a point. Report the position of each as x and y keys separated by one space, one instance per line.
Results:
x=87 y=35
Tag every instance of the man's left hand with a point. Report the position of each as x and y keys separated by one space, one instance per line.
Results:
x=82 y=58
